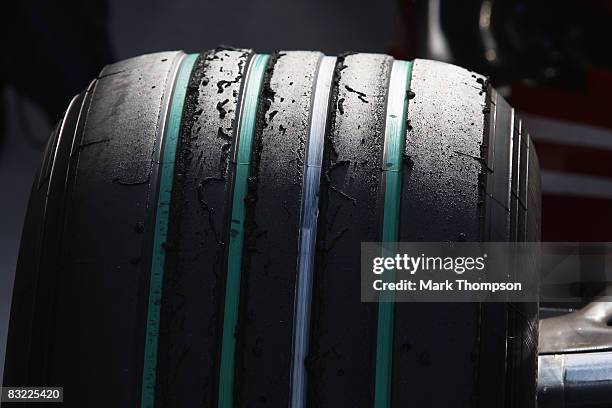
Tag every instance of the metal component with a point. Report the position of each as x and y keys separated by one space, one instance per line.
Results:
x=550 y=381
x=575 y=380
x=584 y=330
x=574 y=368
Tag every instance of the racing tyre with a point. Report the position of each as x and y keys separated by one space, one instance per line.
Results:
x=193 y=233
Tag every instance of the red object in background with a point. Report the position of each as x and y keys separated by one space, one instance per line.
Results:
x=571 y=128
x=404 y=45
x=568 y=218
x=593 y=106
x=572 y=132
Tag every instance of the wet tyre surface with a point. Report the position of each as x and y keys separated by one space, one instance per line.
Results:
x=81 y=316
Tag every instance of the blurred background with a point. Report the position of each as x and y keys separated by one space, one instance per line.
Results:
x=552 y=59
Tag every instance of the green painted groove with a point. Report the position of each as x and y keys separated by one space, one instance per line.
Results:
x=395 y=133
x=173 y=124
x=246 y=131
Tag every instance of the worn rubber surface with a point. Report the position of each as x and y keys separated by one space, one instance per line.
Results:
x=197 y=235
x=452 y=173
x=343 y=339
x=88 y=283
x=80 y=319
x=271 y=247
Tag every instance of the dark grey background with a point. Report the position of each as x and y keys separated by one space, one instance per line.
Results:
x=138 y=27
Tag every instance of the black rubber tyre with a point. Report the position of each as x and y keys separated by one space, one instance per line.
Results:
x=81 y=312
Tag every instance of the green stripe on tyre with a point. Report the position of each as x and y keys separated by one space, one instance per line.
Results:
x=246 y=131
x=395 y=131
x=168 y=140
